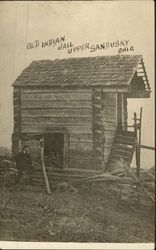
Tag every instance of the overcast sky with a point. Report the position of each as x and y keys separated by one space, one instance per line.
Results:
x=80 y=23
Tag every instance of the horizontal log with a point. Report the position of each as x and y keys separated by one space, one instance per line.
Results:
x=125 y=138
x=60 y=121
x=106 y=97
x=56 y=96
x=146 y=147
x=109 y=113
x=55 y=104
x=110 y=104
x=109 y=119
x=55 y=90
x=84 y=164
x=44 y=127
x=81 y=146
x=80 y=154
x=70 y=175
x=109 y=125
x=56 y=113
x=81 y=138
x=126 y=133
x=72 y=137
x=123 y=143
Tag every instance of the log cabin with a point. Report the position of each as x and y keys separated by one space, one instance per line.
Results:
x=79 y=107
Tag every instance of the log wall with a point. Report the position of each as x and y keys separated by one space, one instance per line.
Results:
x=98 y=135
x=17 y=121
x=61 y=110
x=89 y=117
x=125 y=112
x=109 y=121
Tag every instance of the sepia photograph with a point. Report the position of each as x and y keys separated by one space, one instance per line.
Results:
x=77 y=125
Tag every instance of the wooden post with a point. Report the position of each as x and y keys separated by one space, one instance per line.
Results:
x=20 y=145
x=43 y=167
x=136 y=150
x=135 y=125
x=139 y=142
x=102 y=149
x=116 y=99
x=65 y=150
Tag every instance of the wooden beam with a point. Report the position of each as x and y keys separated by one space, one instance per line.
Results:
x=66 y=150
x=139 y=94
x=44 y=168
x=146 y=147
x=140 y=123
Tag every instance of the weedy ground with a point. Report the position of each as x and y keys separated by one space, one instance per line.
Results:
x=94 y=214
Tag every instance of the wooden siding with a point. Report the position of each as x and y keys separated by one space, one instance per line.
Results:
x=17 y=121
x=125 y=112
x=56 y=96
x=98 y=133
x=55 y=112
x=64 y=110
x=39 y=104
x=109 y=122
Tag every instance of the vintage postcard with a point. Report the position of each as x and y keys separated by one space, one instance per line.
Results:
x=77 y=126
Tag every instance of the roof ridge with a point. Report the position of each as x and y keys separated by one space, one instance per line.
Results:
x=87 y=57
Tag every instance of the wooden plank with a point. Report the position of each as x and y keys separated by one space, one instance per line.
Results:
x=81 y=146
x=80 y=154
x=56 y=113
x=44 y=168
x=146 y=147
x=55 y=104
x=109 y=112
x=125 y=138
x=81 y=137
x=110 y=107
x=56 y=96
x=55 y=90
x=84 y=164
x=44 y=127
x=58 y=120
x=127 y=133
x=139 y=94
x=122 y=152
x=113 y=90
x=65 y=150
x=109 y=126
x=17 y=121
x=73 y=137
x=109 y=119
x=109 y=123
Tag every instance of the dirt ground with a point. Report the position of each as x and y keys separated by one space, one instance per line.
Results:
x=94 y=214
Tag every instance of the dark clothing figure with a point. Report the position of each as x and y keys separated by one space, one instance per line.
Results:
x=24 y=164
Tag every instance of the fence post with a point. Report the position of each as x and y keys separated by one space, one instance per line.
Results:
x=137 y=148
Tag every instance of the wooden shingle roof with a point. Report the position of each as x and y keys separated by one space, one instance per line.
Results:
x=81 y=72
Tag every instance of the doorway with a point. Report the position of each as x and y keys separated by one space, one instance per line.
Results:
x=54 y=149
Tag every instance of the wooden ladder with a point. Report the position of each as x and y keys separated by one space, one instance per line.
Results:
x=123 y=148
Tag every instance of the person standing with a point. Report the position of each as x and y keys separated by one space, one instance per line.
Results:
x=24 y=163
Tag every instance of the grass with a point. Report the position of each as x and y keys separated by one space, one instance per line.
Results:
x=94 y=214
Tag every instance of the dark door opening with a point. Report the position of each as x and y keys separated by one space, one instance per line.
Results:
x=53 y=149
